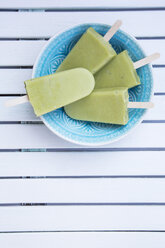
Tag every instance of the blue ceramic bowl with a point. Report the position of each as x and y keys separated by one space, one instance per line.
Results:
x=91 y=133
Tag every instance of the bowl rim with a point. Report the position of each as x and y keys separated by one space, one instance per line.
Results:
x=81 y=142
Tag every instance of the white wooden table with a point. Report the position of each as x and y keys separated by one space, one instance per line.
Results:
x=58 y=194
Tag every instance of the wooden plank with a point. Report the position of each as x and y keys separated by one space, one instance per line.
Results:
x=156 y=113
x=81 y=240
x=24 y=112
x=49 y=4
x=81 y=164
x=60 y=218
x=84 y=190
x=13 y=80
x=24 y=53
x=38 y=136
x=159 y=79
x=16 y=53
x=37 y=24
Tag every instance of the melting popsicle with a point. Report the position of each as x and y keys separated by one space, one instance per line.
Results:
x=121 y=71
x=92 y=51
x=108 y=105
x=51 y=92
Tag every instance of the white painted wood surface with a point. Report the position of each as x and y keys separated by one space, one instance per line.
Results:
x=83 y=164
x=46 y=24
x=24 y=53
x=96 y=190
x=13 y=80
x=20 y=53
x=81 y=3
x=87 y=218
x=129 y=174
x=74 y=240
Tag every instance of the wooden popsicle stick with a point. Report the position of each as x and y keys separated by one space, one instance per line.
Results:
x=112 y=30
x=142 y=105
x=146 y=60
x=16 y=101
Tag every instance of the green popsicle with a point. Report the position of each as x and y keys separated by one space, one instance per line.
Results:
x=56 y=90
x=107 y=105
x=92 y=52
x=119 y=72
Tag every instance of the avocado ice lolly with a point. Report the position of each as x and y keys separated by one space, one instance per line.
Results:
x=119 y=72
x=92 y=52
x=107 y=105
x=50 y=92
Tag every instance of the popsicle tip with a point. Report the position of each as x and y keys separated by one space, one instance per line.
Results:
x=143 y=105
x=151 y=104
x=146 y=60
x=16 y=101
x=112 y=30
x=156 y=55
x=119 y=22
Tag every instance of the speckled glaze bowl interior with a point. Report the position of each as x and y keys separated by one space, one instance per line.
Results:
x=91 y=133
